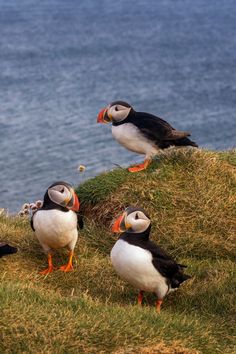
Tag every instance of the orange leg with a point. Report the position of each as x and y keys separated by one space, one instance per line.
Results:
x=69 y=266
x=140 y=167
x=50 y=268
x=158 y=305
x=140 y=297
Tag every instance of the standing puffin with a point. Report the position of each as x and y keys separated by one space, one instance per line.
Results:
x=56 y=223
x=140 y=261
x=141 y=132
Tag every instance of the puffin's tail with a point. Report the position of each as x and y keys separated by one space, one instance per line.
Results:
x=184 y=142
x=6 y=249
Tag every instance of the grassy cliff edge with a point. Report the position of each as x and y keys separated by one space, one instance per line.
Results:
x=190 y=196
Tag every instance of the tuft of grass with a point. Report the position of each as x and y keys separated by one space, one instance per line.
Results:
x=190 y=196
x=229 y=156
x=96 y=189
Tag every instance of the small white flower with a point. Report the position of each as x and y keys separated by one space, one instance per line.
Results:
x=39 y=204
x=25 y=206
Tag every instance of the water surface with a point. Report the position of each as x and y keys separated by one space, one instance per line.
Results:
x=62 y=61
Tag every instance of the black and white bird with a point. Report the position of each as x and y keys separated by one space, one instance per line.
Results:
x=6 y=249
x=141 y=132
x=140 y=261
x=56 y=223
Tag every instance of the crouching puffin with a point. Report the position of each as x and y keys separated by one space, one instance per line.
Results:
x=141 y=132
x=56 y=223
x=140 y=261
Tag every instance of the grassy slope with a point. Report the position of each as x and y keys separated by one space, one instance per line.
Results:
x=190 y=196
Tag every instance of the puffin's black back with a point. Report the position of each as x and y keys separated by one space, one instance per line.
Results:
x=6 y=249
x=161 y=260
x=155 y=129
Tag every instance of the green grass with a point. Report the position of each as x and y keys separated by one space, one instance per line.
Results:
x=190 y=196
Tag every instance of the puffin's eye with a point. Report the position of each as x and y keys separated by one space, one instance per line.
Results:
x=116 y=108
x=62 y=191
x=136 y=216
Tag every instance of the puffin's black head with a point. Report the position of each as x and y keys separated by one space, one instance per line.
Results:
x=117 y=111
x=61 y=194
x=133 y=220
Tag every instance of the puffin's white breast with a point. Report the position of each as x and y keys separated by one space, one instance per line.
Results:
x=55 y=228
x=129 y=136
x=134 y=264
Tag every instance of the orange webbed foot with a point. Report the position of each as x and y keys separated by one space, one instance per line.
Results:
x=47 y=270
x=69 y=266
x=50 y=268
x=66 y=268
x=140 y=167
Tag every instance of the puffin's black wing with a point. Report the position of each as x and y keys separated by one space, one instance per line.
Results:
x=6 y=249
x=166 y=265
x=158 y=130
x=80 y=221
x=153 y=127
x=161 y=260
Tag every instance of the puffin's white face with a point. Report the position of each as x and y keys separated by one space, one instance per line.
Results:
x=117 y=112
x=63 y=194
x=138 y=221
x=60 y=194
x=133 y=220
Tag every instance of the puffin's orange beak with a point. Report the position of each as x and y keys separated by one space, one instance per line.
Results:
x=116 y=226
x=120 y=224
x=76 y=205
x=103 y=116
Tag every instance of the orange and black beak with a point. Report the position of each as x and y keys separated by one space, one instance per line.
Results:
x=103 y=116
x=74 y=202
x=120 y=225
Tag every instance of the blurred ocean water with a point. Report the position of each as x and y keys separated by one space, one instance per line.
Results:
x=62 y=61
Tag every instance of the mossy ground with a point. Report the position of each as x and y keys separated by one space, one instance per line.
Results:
x=190 y=196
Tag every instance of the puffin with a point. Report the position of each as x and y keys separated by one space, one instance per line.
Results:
x=140 y=261
x=6 y=249
x=56 y=223
x=141 y=132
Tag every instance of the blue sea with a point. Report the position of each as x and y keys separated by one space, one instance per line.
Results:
x=62 y=61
